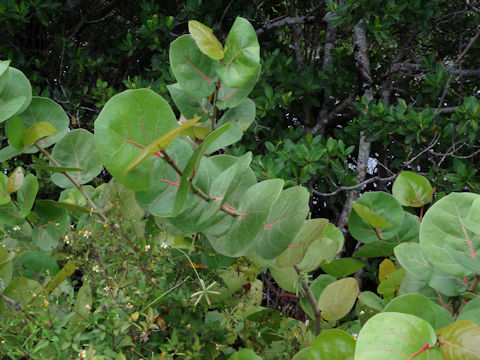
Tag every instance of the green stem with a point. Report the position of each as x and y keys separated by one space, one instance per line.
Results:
x=313 y=302
x=89 y=201
x=18 y=208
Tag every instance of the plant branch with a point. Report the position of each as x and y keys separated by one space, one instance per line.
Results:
x=472 y=289
x=11 y=302
x=85 y=195
x=359 y=185
x=313 y=302
x=196 y=190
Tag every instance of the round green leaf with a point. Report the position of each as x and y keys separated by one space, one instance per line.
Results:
x=190 y=106
x=26 y=195
x=447 y=284
x=25 y=291
x=337 y=299
x=411 y=189
x=245 y=354
x=283 y=223
x=460 y=340
x=311 y=230
x=343 y=267
x=128 y=123
x=34 y=265
x=194 y=71
x=332 y=345
x=396 y=336
x=51 y=225
x=375 y=249
x=242 y=55
x=46 y=111
x=76 y=150
x=231 y=97
x=410 y=256
x=471 y=311
x=451 y=222
x=205 y=40
x=240 y=118
x=4 y=193
x=381 y=204
x=422 y=307
x=15 y=130
x=254 y=208
x=15 y=94
x=286 y=278
x=409 y=230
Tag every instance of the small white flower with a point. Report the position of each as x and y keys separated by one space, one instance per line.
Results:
x=87 y=234
x=258 y=334
x=57 y=224
x=95 y=269
x=164 y=245
x=129 y=305
x=16 y=228
x=106 y=288
x=361 y=312
x=147 y=247
x=138 y=292
x=354 y=336
x=82 y=354
x=218 y=346
x=66 y=240
x=72 y=226
x=307 y=322
x=87 y=307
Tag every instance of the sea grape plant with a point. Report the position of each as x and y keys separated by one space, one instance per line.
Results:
x=175 y=170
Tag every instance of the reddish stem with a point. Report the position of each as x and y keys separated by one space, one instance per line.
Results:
x=424 y=348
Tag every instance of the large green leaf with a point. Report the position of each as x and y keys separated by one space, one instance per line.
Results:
x=396 y=336
x=26 y=292
x=190 y=106
x=82 y=308
x=283 y=223
x=332 y=345
x=76 y=150
x=15 y=129
x=368 y=305
x=447 y=225
x=381 y=204
x=51 y=226
x=409 y=230
x=231 y=97
x=38 y=131
x=15 y=93
x=35 y=265
x=422 y=307
x=413 y=285
x=471 y=311
x=245 y=354
x=242 y=55
x=3 y=72
x=338 y=298
x=286 y=278
x=129 y=122
x=4 y=193
x=6 y=268
x=343 y=267
x=375 y=249
x=26 y=195
x=447 y=284
x=310 y=231
x=205 y=40
x=411 y=189
x=253 y=210
x=460 y=340
x=410 y=256
x=159 y=200
x=45 y=110
x=240 y=118
x=195 y=72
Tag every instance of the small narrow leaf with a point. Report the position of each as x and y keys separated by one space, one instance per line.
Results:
x=38 y=131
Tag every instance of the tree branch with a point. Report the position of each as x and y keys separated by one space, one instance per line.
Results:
x=287 y=21
x=359 y=185
x=475 y=73
x=313 y=302
x=363 y=67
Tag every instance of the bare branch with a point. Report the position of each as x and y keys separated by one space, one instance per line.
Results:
x=287 y=21
x=359 y=185
x=475 y=73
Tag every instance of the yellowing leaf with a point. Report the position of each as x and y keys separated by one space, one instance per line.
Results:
x=15 y=180
x=205 y=40
x=385 y=268
x=37 y=131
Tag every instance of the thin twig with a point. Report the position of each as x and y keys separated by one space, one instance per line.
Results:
x=11 y=302
x=89 y=201
x=353 y=187
x=313 y=302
